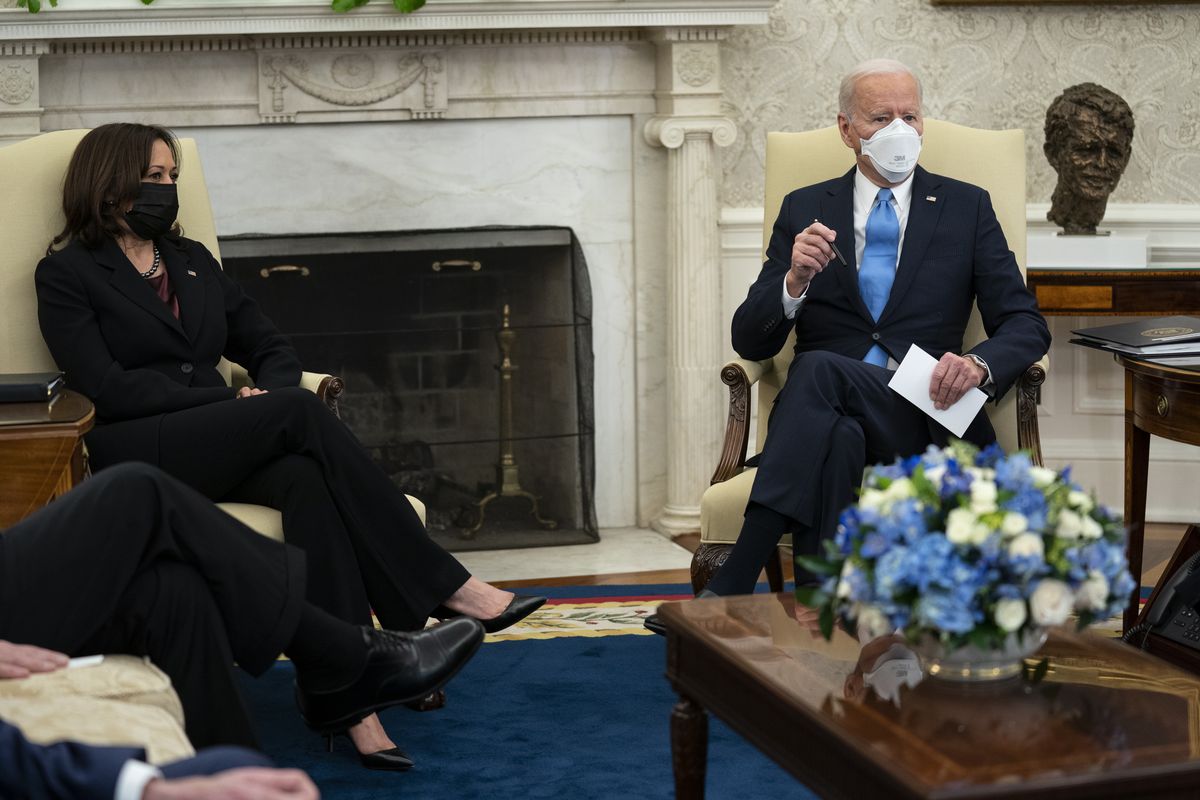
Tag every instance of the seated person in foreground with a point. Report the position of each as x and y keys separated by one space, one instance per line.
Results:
x=919 y=249
x=73 y=771
x=133 y=561
x=138 y=317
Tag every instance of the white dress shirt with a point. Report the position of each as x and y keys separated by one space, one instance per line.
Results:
x=132 y=779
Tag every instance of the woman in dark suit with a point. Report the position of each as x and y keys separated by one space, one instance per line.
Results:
x=138 y=318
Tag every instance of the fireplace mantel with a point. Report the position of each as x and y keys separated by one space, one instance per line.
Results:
x=110 y=19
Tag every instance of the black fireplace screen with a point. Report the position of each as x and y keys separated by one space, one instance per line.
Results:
x=467 y=357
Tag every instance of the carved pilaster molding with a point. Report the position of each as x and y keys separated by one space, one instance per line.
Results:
x=20 y=99
x=688 y=80
x=695 y=405
x=345 y=84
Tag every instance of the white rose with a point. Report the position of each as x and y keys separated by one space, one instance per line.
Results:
x=1014 y=523
x=871 y=622
x=871 y=500
x=1050 y=603
x=1042 y=477
x=983 y=497
x=960 y=526
x=1010 y=614
x=1026 y=544
x=1092 y=594
x=899 y=489
x=1091 y=529
x=1070 y=525
x=1080 y=500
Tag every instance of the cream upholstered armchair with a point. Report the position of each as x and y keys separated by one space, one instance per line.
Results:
x=31 y=177
x=800 y=159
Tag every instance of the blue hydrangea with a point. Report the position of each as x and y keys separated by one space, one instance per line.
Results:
x=1012 y=473
x=943 y=611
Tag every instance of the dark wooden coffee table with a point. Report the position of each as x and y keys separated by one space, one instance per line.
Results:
x=1106 y=720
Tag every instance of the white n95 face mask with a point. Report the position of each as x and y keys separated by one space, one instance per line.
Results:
x=893 y=150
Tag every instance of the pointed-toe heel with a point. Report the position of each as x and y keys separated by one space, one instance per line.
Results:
x=393 y=759
x=400 y=667
x=520 y=607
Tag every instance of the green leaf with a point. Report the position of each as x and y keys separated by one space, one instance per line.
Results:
x=818 y=566
x=407 y=6
x=33 y=6
x=826 y=622
x=811 y=596
x=342 y=6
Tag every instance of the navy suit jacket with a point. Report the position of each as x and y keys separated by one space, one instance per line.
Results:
x=62 y=770
x=954 y=252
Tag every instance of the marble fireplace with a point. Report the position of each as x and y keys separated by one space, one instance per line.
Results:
x=601 y=116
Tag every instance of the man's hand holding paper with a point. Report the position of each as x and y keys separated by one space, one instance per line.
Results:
x=915 y=381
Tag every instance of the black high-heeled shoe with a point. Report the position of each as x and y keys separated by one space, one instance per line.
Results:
x=400 y=667
x=520 y=607
x=393 y=759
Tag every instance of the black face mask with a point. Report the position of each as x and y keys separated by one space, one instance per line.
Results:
x=154 y=210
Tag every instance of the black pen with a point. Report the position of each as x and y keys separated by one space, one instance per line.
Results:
x=836 y=252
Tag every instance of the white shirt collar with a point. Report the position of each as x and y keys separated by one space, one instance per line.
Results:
x=865 y=192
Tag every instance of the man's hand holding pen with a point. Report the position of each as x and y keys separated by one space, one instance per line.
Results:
x=812 y=251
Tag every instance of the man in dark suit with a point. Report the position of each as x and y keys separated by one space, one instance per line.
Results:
x=74 y=771
x=897 y=258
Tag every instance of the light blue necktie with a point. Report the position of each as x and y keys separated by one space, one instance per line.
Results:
x=878 y=270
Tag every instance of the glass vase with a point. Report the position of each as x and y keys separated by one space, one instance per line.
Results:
x=970 y=664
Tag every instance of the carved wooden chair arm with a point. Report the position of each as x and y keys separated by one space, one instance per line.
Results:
x=1028 y=388
x=327 y=387
x=739 y=375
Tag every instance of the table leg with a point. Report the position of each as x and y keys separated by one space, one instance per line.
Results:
x=1137 y=462
x=689 y=748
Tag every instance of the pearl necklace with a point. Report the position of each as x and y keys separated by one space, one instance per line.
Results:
x=150 y=273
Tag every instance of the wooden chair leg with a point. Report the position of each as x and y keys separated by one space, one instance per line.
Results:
x=707 y=559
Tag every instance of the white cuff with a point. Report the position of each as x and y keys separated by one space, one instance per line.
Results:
x=132 y=780
x=791 y=304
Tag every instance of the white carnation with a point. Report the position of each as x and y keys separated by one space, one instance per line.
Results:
x=1070 y=524
x=1091 y=529
x=983 y=497
x=1050 y=603
x=1026 y=544
x=1092 y=594
x=1080 y=500
x=960 y=526
x=1010 y=614
x=1014 y=523
x=871 y=622
x=1042 y=477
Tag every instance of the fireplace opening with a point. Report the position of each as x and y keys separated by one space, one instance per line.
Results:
x=467 y=358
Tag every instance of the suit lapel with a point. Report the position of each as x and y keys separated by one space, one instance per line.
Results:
x=923 y=218
x=837 y=212
x=189 y=288
x=125 y=280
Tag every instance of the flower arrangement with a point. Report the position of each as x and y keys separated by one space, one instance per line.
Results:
x=969 y=547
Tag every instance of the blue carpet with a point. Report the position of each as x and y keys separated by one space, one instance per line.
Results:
x=576 y=718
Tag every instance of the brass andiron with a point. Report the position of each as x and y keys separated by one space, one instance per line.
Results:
x=506 y=470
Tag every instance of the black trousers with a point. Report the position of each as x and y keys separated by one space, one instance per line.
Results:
x=366 y=545
x=135 y=562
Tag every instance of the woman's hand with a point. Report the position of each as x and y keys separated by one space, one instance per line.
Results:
x=246 y=391
x=22 y=660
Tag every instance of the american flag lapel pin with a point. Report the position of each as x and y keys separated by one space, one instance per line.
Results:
x=191 y=273
x=931 y=198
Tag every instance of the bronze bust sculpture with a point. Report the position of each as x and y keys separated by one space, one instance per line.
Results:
x=1089 y=136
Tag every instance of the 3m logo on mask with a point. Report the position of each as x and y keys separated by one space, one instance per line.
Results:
x=893 y=150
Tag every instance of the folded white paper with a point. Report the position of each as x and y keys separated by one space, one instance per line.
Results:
x=911 y=382
x=84 y=661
